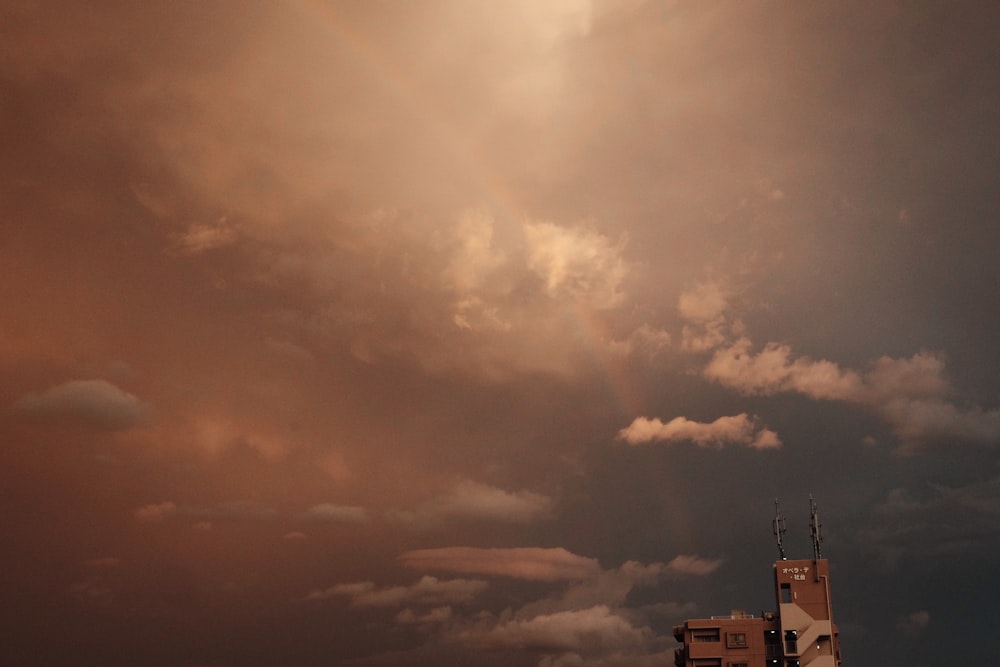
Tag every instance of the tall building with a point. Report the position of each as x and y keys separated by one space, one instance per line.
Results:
x=801 y=633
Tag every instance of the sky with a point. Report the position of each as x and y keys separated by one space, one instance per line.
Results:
x=461 y=332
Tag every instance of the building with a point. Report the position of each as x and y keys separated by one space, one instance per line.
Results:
x=801 y=633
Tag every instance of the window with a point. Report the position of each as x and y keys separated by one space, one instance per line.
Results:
x=704 y=634
x=736 y=640
x=786 y=593
x=708 y=662
x=738 y=664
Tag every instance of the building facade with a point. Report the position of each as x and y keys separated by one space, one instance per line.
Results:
x=801 y=633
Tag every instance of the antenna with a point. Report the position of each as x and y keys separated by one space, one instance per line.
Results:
x=815 y=528
x=779 y=528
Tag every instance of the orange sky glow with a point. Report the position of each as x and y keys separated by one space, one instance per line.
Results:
x=472 y=332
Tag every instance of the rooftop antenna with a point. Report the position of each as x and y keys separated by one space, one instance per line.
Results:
x=779 y=528
x=814 y=528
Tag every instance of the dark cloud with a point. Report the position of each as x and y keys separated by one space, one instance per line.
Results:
x=93 y=402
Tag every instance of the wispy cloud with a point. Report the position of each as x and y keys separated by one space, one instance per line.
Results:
x=426 y=591
x=236 y=510
x=693 y=565
x=474 y=501
x=597 y=628
x=202 y=237
x=336 y=513
x=435 y=615
x=532 y=563
x=155 y=511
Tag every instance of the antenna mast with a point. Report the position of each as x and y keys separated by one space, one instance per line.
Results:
x=779 y=528
x=814 y=528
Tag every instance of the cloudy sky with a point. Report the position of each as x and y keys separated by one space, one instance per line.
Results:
x=486 y=333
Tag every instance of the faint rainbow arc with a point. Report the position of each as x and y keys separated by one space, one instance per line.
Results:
x=492 y=186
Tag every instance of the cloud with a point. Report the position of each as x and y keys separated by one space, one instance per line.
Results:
x=475 y=501
x=532 y=563
x=310 y=162
x=486 y=297
x=612 y=586
x=331 y=512
x=93 y=592
x=703 y=309
x=435 y=615
x=918 y=421
x=704 y=337
x=645 y=339
x=693 y=565
x=621 y=658
x=551 y=21
x=739 y=429
x=155 y=511
x=427 y=591
x=914 y=625
x=919 y=377
x=934 y=522
x=576 y=262
x=215 y=434
x=223 y=511
x=476 y=256
x=705 y=302
x=475 y=314
x=546 y=564
x=199 y=238
x=773 y=370
x=289 y=350
x=587 y=621
x=592 y=629
x=95 y=402
x=911 y=395
x=240 y=509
